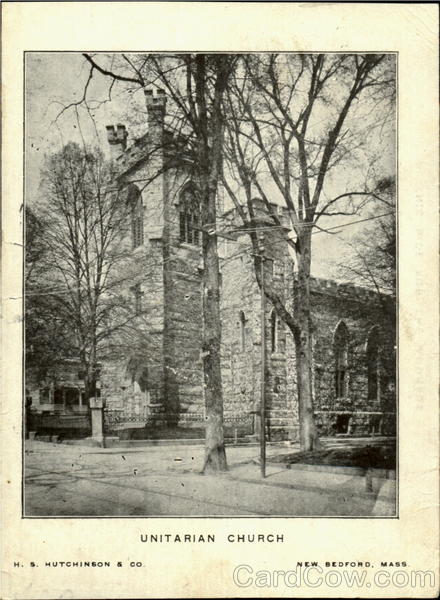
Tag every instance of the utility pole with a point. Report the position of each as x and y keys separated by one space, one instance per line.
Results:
x=263 y=363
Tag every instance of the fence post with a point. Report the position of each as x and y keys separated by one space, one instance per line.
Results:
x=97 y=412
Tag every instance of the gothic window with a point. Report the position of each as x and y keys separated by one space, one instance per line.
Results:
x=137 y=216
x=373 y=363
x=273 y=331
x=242 y=331
x=340 y=346
x=137 y=374
x=136 y=290
x=189 y=221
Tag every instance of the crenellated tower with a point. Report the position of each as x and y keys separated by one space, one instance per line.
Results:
x=161 y=374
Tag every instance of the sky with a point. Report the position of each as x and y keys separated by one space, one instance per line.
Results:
x=55 y=80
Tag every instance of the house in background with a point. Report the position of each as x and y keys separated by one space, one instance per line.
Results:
x=61 y=391
x=55 y=403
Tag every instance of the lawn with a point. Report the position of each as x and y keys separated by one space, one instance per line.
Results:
x=379 y=457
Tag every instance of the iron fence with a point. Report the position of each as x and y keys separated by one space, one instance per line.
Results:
x=115 y=419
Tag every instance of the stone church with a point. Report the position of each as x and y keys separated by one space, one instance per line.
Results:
x=160 y=383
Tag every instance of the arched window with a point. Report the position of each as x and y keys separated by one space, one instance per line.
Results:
x=136 y=386
x=189 y=217
x=137 y=292
x=137 y=216
x=340 y=347
x=373 y=363
x=273 y=331
x=242 y=331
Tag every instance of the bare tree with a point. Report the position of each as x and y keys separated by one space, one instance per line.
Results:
x=196 y=85
x=293 y=121
x=81 y=275
x=373 y=261
x=44 y=345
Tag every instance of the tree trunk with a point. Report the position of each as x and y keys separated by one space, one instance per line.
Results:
x=309 y=439
x=215 y=456
x=209 y=160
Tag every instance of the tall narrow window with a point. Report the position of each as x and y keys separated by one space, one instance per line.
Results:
x=189 y=222
x=136 y=290
x=137 y=216
x=340 y=345
x=373 y=366
x=273 y=331
x=242 y=331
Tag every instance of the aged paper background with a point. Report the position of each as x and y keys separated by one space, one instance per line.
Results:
x=206 y=570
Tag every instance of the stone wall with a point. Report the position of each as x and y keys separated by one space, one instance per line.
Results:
x=183 y=315
x=354 y=413
x=241 y=364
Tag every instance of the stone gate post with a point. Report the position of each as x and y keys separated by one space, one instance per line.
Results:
x=97 y=414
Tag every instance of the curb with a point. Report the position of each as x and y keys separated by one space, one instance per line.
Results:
x=340 y=470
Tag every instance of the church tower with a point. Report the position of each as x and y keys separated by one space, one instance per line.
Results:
x=160 y=377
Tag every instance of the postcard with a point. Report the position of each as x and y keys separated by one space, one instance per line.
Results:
x=220 y=291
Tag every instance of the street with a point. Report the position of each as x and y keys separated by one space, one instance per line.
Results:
x=63 y=480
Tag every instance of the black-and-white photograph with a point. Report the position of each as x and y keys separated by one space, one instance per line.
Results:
x=210 y=285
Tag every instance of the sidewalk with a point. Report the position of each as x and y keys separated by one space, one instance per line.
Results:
x=66 y=480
